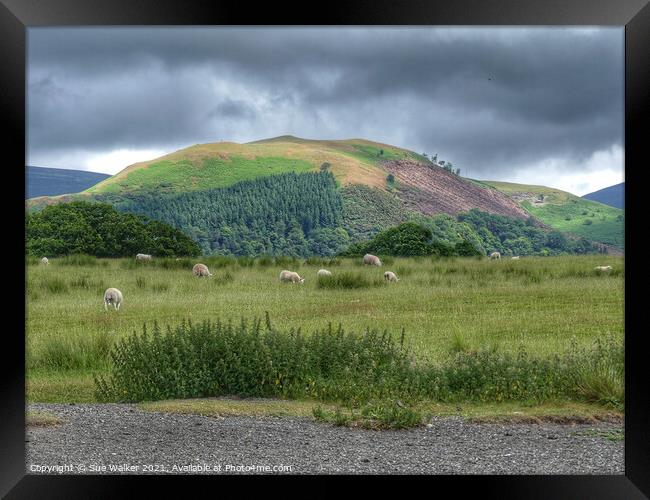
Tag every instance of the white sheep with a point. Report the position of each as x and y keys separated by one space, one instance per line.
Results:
x=112 y=296
x=603 y=268
x=390 y=276
x=201 y=270
x=324 y=272
x=371 y=260
x=290 y=276
x=143 y=256
x=45 y=261
x=495 y=255
x=516 y=257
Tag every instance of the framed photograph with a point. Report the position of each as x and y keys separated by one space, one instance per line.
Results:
x=383 y=239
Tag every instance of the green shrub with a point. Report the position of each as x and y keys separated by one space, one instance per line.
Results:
x=250 y=359
x=375 y=377
x=407 y=239
x=82 y=227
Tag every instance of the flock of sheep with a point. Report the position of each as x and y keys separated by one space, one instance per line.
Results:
x=114 y=297
x=371 y=260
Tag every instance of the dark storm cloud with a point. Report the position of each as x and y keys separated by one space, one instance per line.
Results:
x=488 y=99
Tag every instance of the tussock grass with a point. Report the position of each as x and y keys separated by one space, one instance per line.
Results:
x=77 y=260
x=72 y=353
x=348 y=280
x=53 y=285
x=323 y=261
x=373 y=415
x=160 y=287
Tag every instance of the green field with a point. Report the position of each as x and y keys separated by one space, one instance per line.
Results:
x=542 y=304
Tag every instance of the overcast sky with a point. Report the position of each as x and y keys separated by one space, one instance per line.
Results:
x=531 y=105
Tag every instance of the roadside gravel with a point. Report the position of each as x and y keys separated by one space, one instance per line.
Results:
x=96 y=435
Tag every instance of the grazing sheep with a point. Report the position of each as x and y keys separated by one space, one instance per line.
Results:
x=371 y=260
x=201 y=270
x=290 y=276
x=603 y=268
x=495 y=255
x=390 y=276
x=45 y=261
x=324 y=272
x=112 y=296
x=143 y=256
x=516 y=257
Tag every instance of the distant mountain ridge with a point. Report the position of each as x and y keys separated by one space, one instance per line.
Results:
x=614 y=196
x=43 y=181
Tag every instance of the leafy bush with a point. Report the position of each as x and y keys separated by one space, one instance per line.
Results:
x=406 y=240
x=466 y=249
x=361 y=371
x=250 y=359
x=97 y=229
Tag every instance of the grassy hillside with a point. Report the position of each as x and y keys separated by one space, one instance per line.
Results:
x=568 y=213
x=215 y=165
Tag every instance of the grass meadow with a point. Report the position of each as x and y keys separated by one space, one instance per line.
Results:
x=444 y=306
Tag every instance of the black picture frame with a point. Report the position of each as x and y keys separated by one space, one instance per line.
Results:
x=17 y=15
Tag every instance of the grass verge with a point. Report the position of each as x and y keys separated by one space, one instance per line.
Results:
x=35 y=418
x=383 y=416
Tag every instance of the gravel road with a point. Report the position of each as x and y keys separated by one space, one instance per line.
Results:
x=104 y=435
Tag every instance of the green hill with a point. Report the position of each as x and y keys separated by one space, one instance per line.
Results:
x=222 y=164
x=293 y=196
x=568 y=213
